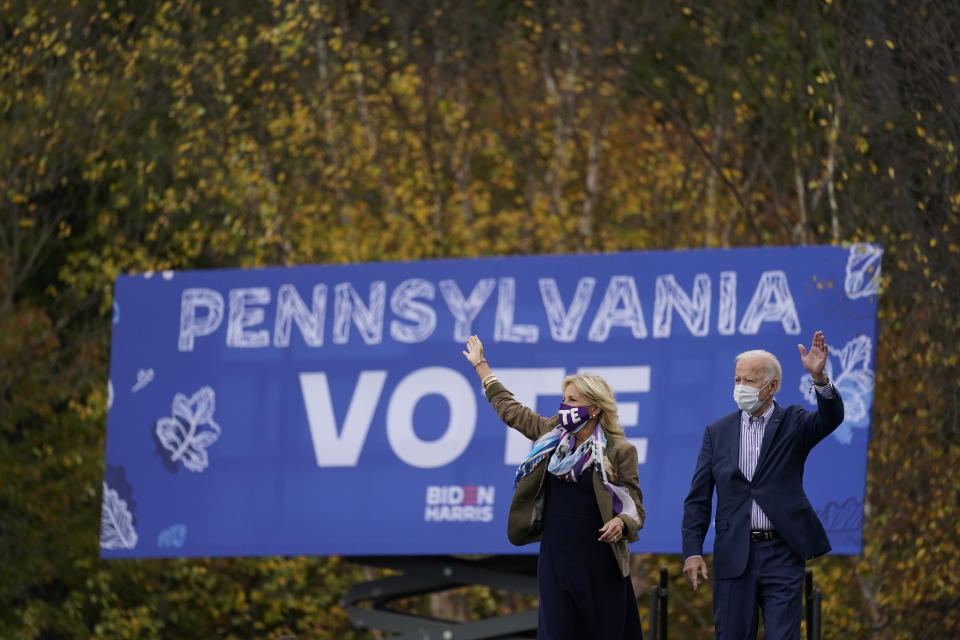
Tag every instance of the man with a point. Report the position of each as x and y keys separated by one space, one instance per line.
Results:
x=765 y=526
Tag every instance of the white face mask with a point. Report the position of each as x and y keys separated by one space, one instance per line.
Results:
x=747 y=397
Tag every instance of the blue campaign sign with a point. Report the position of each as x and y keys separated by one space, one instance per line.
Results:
x=328 y=409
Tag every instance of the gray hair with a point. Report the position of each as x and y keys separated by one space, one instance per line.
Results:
x=771 y=365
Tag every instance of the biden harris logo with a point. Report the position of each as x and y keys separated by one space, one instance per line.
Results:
x=459 y=503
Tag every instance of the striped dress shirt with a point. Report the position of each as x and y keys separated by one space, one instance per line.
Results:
x=751 y=437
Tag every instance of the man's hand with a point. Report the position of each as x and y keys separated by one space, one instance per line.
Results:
x=693 y=569
x=612 y=530
x=815 y=360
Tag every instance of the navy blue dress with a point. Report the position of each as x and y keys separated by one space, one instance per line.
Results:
x=582 y=594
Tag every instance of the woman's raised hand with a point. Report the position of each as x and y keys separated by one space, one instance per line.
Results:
x=474 y=352
x=474 y=355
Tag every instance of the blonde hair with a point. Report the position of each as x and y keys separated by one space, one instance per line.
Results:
x=771 y=365
x=596 y=390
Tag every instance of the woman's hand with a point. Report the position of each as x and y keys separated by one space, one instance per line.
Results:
x=474 y=352
x=474 y=355
x=612 y=531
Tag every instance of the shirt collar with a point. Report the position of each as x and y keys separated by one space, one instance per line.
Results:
x=765 y=417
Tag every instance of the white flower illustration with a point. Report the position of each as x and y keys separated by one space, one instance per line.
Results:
x=116 y=522
x=191 y=429
x=853 y=378
x=863 y=270
x=144 y=377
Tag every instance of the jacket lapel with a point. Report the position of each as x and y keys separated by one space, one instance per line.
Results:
x=733 y=426
x=769 y=433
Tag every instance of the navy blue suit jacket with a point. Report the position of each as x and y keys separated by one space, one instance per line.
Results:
x=777 y=486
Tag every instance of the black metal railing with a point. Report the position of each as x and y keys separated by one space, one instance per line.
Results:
x=658 y=608
x=813 y=600
x=424 y=575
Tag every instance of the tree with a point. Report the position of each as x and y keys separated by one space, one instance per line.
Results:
x=183 y=136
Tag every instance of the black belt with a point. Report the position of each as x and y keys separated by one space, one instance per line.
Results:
x=758 y=535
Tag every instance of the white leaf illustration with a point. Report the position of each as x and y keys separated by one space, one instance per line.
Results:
x=853 y=379
x=116 y=522
x=863 y=270
x=109 y=394
x=191 y=429
x=173 y=536
x=144 y=377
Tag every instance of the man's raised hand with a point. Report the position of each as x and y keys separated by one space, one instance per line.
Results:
x=815 y=360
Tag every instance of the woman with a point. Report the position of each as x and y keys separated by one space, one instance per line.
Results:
x=577 y=492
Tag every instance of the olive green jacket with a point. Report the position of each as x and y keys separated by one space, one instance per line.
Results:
x=525 y=520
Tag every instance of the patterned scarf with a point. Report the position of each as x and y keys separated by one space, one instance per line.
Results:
x=568 y=463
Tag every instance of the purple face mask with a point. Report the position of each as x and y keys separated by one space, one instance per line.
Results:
x=573 y=418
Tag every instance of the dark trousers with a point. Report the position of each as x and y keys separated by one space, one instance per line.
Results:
x=773 y=584
x=589 y=602
x=583 y=596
